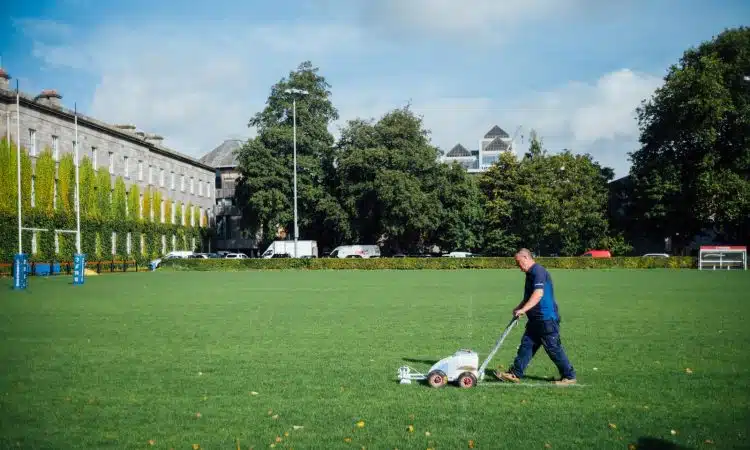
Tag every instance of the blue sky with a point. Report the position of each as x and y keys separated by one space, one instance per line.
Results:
x=195 y=72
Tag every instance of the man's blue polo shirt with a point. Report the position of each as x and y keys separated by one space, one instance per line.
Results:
x=538 y=277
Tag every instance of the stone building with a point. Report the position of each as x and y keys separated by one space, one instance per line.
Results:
x=139 y=157
x=230 y=235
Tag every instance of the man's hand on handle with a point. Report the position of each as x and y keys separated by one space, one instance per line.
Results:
x=518 y=312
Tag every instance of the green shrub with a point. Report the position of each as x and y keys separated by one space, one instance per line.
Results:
x=233 y=265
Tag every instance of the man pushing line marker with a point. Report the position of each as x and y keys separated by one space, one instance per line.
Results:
x=543 y=326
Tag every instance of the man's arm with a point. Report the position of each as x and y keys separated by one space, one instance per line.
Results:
x=533 y=300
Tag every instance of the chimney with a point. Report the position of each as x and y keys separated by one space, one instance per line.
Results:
x=49 y=97
x=155 y=138
x=4 y=77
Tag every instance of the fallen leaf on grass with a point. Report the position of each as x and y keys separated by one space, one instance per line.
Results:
x=708 y=441
x=613 y=426
x=253 y=393
x=196 y=446
x=546 y=445
x=347 y=439
x=688 y=371
x=361 y=424
x=427 y=433
x=151 y=442
x=275 y=416
x=631 y=447
x=198 y=415
x=410 y=428
x=471 y=444
x=674 y=432
x=270 y=411
x=298 y=427
x=286 y=434
x=278 y=438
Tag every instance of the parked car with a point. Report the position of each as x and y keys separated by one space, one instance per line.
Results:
x=236 y=256
x=598 y=254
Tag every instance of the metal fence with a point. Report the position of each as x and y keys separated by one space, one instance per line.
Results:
x=56 y=268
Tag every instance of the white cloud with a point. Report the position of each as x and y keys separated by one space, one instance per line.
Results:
x=597 y=118
x=197 y=89
x=485 y=20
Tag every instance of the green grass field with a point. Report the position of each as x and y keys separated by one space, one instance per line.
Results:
x=212 y=358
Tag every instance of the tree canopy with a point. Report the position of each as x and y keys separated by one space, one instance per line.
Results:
x=692 y=171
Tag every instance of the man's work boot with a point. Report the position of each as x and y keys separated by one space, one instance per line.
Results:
x=565 y=381
x=507 y=376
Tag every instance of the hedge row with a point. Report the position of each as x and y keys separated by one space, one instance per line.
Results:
x=234 y=265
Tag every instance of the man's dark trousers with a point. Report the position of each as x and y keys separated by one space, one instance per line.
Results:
x=544 y=333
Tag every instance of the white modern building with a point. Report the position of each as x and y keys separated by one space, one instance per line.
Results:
x=490 y=147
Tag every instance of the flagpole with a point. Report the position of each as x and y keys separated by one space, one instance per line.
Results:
x=78 y=191
x=18 y=162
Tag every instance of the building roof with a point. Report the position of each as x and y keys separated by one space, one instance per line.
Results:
x=495 y=132
x=152 y=142
x=225 y=155
x=497 y=145
x=458 y=151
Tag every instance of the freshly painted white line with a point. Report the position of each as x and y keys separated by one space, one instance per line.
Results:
x=549 y=385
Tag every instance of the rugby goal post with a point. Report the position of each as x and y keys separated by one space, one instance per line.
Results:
x=722 y=257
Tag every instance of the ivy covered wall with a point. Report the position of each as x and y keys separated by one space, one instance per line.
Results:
x=116 y=223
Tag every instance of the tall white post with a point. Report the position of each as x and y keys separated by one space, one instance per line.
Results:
x=78 y=191
x=18 y=162
x=294 y=119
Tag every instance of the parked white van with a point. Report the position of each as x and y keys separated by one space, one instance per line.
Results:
x=176 y=254
x=356 y=251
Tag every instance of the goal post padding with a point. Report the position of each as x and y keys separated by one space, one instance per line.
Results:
x=722 y=257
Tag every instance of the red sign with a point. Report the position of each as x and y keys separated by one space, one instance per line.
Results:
x=723 y=247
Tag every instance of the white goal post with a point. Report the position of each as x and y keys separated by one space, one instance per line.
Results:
x=722 y=257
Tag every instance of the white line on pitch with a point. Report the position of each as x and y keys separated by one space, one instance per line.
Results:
x=549 y=385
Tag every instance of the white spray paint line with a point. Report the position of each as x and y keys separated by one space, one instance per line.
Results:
x=547 y=385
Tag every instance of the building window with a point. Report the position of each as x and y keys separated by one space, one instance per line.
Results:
x=111 y=163
x=208 y=189
x=182 y=182
x=172 y=214
x=150 y=174
x=93 y=158
x=161 y=177
x=192 y=191
x=171 y=180
x=56 y=148
x=200 y=188
x=114 y=243
x=140 y=170
x=32 y=142
x=127 y=166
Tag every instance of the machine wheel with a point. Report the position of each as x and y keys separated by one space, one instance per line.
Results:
x=467 y=380
x=437 y=379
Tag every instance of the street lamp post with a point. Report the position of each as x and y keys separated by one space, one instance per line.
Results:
x=294 y=121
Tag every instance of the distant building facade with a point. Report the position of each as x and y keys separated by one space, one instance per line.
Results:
x=494 y=142
x=139 y=158
x=230 y=235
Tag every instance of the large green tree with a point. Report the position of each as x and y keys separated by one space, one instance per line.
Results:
x=265 y=188
x=551 y=203
x=692 y=171
x=397 y=193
